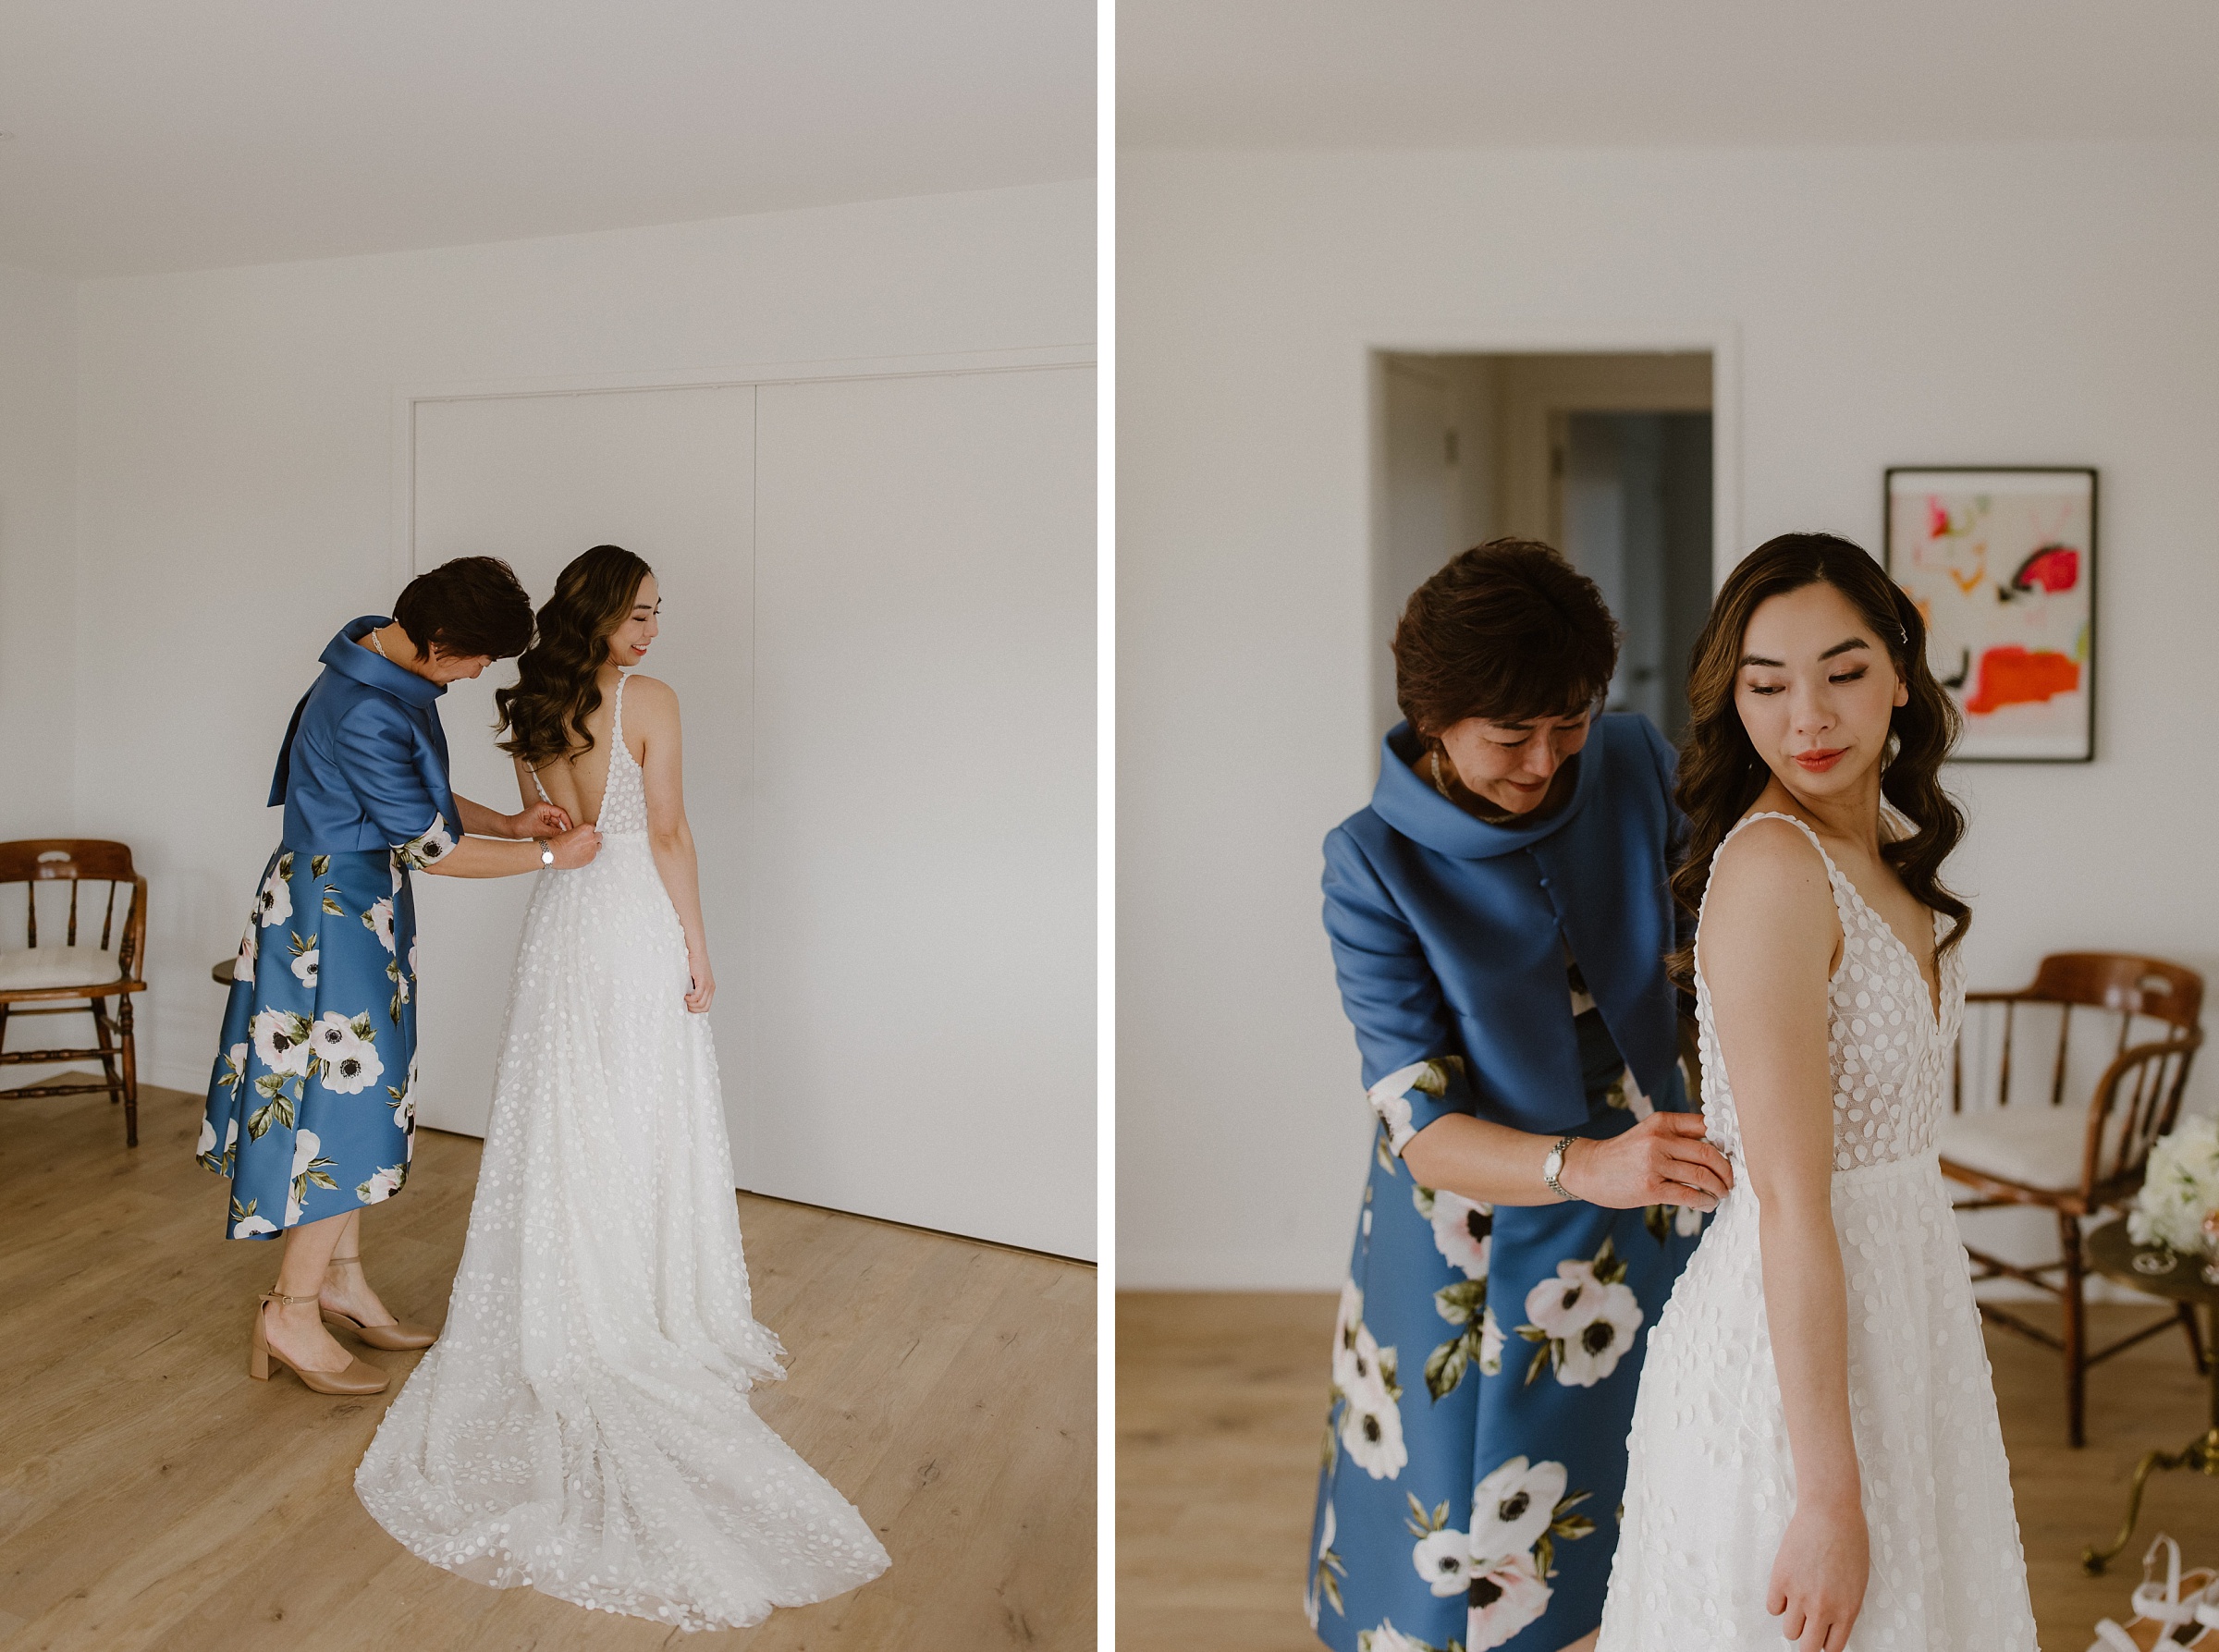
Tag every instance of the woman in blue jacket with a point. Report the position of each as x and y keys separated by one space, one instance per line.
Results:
x=1500 y=916
x=309 y=1110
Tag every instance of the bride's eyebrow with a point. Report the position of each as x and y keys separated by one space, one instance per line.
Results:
x=1841 y=647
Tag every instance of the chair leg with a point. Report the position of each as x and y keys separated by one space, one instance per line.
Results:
x=2195 y=1336
x=2075 y=1339
x=102 y=1027
x=131 y=1070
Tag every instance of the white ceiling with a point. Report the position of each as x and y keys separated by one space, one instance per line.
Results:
x=155 y=135
x=1383 y=74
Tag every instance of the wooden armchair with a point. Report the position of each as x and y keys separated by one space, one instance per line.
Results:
x=2076 y=1158
x=71 y=979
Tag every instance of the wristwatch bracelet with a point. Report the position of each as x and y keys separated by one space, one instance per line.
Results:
x=546 y=851
x=1553 y=1168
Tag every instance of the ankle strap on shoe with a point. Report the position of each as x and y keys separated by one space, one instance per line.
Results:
x=280 y=1298
x=356 y=1258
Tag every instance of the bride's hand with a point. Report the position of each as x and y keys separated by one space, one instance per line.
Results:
x=1818 y=1584
x=1663 y=1160
x=541 y=820
x=704 y=982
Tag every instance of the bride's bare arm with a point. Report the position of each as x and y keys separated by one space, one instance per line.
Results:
x=1770 y=940
x=652 y=713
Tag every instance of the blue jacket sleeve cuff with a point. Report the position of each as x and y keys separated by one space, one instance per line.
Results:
x=1412 y=1098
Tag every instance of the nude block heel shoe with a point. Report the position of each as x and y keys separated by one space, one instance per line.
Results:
x=359 y=1378
x=396 y=1338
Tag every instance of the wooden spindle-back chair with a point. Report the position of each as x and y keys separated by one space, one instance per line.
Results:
x=73 y=979
x=2075 y=1161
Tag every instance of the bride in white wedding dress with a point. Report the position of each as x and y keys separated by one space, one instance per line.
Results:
x=583 y=1425
x=1815 y=1453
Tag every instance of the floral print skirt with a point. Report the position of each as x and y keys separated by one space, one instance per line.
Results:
x=309 y=1109
x=1484 y=1364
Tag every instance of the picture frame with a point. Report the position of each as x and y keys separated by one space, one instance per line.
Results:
x=2002 y=561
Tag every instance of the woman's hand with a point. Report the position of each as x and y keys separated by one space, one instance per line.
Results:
x=704 y=979
x=541 y=820
x=1817 y=1583
x=574 y=847
x=1663 y=1160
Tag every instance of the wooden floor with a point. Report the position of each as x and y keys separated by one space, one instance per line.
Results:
x=153 y=1496
x=1221 y=1401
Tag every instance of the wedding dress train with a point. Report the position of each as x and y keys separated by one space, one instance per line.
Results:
x=583 y=1425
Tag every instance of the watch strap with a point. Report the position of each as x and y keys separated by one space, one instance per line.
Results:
x=1553 y=1167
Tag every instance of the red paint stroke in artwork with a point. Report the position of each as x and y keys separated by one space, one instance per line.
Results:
x=2015 y=675
x=2054 y=568
x=1937 y=518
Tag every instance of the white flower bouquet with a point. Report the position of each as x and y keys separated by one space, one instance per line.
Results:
x=2180 y=1187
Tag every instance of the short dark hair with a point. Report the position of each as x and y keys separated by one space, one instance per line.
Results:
x=471 y=606
x=1507 y=631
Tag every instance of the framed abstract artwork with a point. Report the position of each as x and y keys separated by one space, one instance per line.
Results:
x=2002 y=563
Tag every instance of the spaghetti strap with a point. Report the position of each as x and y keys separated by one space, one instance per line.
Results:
x=537 y=787
x=1836 y=879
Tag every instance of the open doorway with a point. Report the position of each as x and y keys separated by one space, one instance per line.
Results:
x=1606 y=456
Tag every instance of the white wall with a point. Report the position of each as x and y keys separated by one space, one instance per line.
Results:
x=1960 y=305
x=236 y=462
x=38 y=598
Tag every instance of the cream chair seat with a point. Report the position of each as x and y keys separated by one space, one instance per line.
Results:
x=25 y=969
x=2034 y=1146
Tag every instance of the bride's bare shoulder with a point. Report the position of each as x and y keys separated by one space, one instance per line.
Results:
x=649 y=697
x=1768 y=872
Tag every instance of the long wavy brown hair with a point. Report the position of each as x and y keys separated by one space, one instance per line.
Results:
x=557 y=684
x=1721 y=773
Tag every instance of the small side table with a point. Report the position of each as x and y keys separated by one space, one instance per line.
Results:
x=221 y=975
x=2159 y=1272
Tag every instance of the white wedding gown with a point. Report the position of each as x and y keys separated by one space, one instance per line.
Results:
x=583 y=1424
x=1711 y=1484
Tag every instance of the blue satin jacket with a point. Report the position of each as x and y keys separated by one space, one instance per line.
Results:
x=364 y=763
x=1445 y=933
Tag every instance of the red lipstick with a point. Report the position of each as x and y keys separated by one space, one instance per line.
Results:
x=1818 y=762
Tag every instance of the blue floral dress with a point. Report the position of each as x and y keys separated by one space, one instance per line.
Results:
x=1486 y=1359
x=309 y=1110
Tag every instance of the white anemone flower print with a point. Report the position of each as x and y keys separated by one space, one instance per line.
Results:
x=310 y=1170
x=280 y=1040
x=383 y=1184
x=1445 y=1559
x=1490 y=1344
x=1584 y=1319
x=429 y=845
x=1371 y=1417
x=1503 y=1598
x=274 y=904
x=306 y=963
x=242 y=966
x=247 y=1226
x=1512 y=1508
x=378 y=921
x=1593 y=1352
x=1562 y=1306
x=1462 y=1231
x=348 y=1057
x=1345 y=1322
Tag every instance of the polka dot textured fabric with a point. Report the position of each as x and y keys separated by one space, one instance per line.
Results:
x=1710 y=1482
x=583 y=1425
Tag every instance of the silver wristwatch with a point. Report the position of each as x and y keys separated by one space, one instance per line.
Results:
x=1553 y=1166
x=546 y=851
